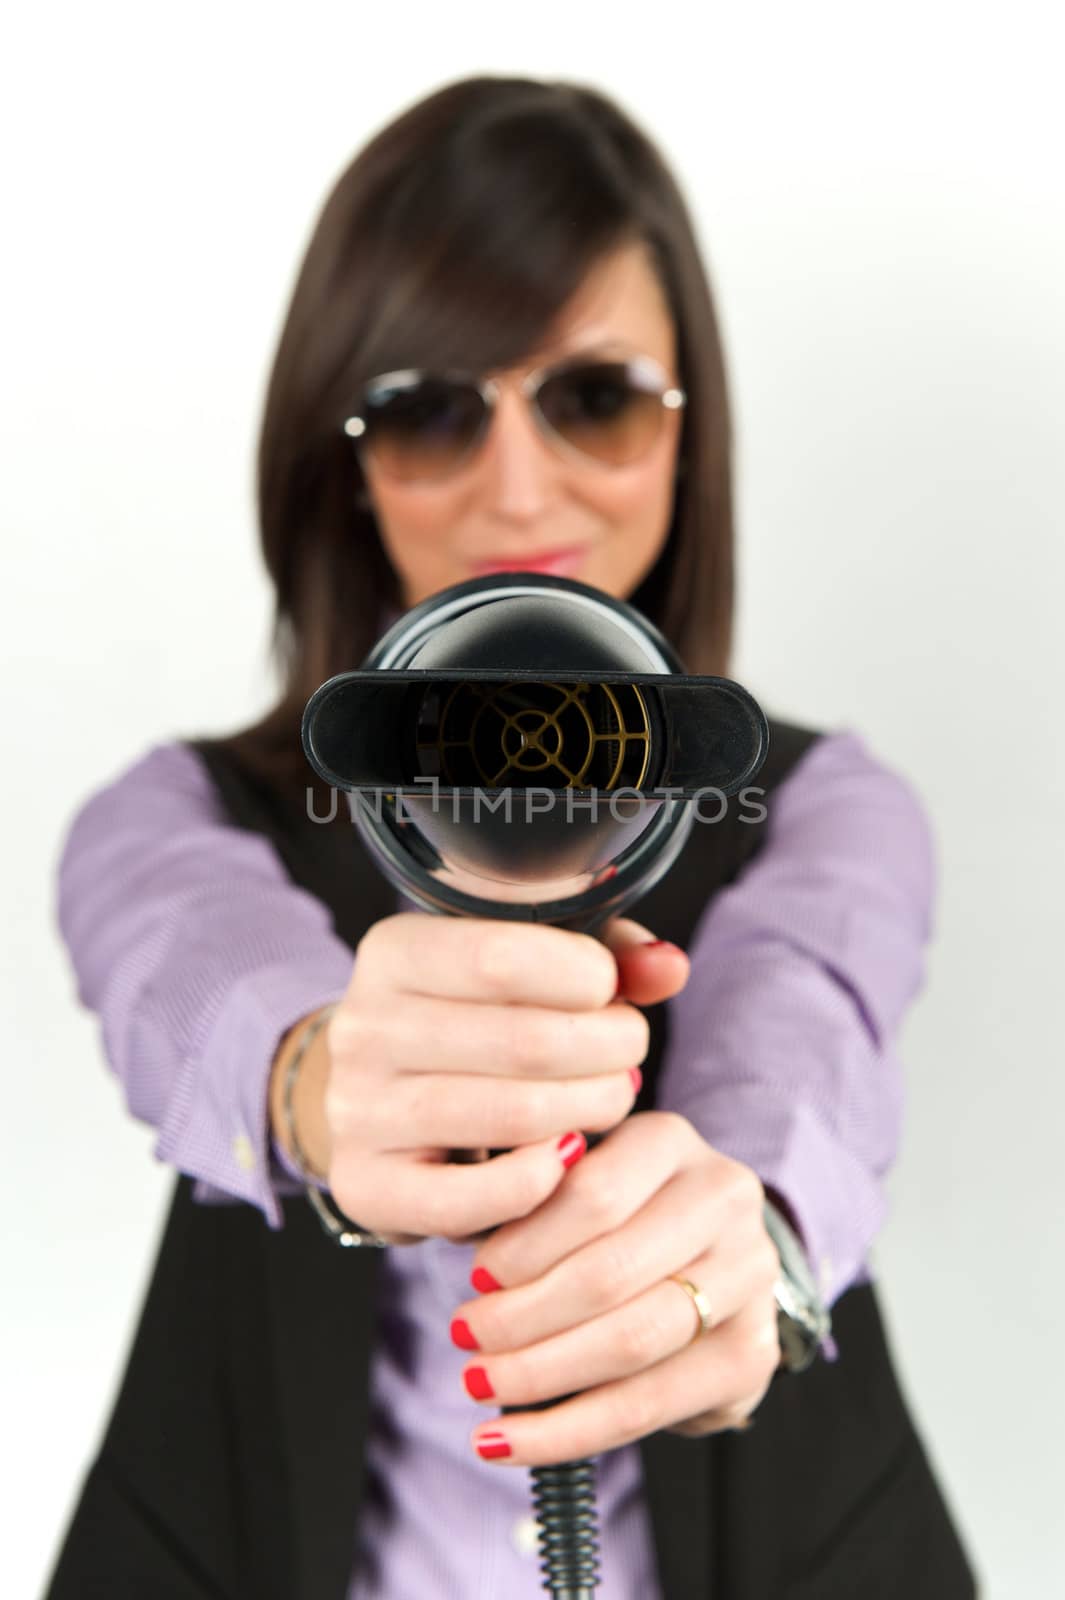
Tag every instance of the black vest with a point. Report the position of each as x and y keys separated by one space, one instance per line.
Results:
x=232 y=1466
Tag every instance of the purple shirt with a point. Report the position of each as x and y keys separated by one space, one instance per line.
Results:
x=198 y=953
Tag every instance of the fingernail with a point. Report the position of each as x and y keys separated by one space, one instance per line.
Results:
x=571 y=1148
x=492 y=1445
x=477 y=1384
x=461 y=1334
x=483 y=1281
x=662 y=944
x=637 y=1078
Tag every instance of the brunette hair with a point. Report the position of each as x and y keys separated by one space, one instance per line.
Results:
x=454 y=238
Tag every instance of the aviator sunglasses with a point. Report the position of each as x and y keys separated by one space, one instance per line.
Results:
x=418 y=426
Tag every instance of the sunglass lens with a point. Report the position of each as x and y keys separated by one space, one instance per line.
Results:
x=424 y=429
x=604 y=409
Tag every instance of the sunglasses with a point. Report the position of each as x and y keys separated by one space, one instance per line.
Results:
x=419 y=426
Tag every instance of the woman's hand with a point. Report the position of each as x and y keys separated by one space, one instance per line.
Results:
x=586 y=1308
x=461 y=1033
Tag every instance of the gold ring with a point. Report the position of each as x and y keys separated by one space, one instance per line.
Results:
x=699 y=1300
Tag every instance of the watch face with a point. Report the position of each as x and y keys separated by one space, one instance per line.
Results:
x=798 y=1343
x=792 y=1255
x=802 y=1320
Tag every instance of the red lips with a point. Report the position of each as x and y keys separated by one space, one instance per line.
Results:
x=557 y=563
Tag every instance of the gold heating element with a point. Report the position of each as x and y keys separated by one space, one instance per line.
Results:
x=524 y=733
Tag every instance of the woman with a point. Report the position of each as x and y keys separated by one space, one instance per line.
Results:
x=302 y=1421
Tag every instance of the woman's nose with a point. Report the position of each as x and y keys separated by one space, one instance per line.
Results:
x=521 y=469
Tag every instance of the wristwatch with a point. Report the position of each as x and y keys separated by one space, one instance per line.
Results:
x=802 y=1317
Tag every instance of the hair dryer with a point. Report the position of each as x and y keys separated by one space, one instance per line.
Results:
x=527 y=747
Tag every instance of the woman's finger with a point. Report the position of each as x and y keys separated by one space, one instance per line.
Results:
x=649 y=969
x=426 y=1034
x=719 y=1373
x=621 y=1343
x=469 y=1112
x=426 y=1198
x=684 y=1221
x=636 y=1161
x=475 y=959
x=628 y=1173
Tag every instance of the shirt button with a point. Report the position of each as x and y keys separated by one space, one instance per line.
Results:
x=525 y=1536
x=243 y=1151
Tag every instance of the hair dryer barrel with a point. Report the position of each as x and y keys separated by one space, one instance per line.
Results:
x=532 y=729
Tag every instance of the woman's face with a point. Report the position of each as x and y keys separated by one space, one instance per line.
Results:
x=517 y=500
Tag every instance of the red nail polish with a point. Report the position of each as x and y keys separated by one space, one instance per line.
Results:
x=492 y=1445
x=637 y=1079
x=483 y=1281
x=460 y=1333
x=477 y=1384
x=571 y=1147
x=662 y=944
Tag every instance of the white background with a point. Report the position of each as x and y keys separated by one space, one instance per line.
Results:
x=878 y=191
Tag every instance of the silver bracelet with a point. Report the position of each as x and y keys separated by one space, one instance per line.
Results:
x=333 y=1220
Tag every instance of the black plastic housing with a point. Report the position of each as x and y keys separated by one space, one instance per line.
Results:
x=527 y=730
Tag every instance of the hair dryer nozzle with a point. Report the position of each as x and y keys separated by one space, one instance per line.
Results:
x=533 y=731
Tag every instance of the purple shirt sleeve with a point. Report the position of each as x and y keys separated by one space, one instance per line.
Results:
x=198 y=953
x=783 y=1047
